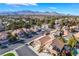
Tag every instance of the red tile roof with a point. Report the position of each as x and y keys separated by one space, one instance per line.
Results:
x=45 y=39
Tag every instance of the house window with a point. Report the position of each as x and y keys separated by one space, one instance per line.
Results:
x=55 y=48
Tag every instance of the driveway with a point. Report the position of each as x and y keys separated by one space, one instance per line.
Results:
x=25 y=51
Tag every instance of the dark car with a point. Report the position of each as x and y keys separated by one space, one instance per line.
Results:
x=3 y=46
x=39 y=30
x=30 y=36
x=34 y=33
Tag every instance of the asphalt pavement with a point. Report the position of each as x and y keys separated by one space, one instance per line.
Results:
x=25 y=51
x=14 y=46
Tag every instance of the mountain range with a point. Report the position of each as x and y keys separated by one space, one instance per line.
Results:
x=32 y=13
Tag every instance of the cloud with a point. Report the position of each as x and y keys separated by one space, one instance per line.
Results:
x=39 y=1
x=17 y=5
x=20 y=4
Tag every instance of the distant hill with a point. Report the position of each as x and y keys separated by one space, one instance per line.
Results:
x=32 y=13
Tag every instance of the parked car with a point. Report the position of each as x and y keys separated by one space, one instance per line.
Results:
x=3 y=46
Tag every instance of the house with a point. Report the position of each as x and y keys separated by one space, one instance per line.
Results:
x=3 y=37
x=66 y=37
x=46 y=40
x=19 y=32
x=66 y=33
x=27 y=30
x=74 y=28
x=77 y=36
x=1 y=26
x=43 y=42
x=57 y=33
x=57 y=45
x=57 y=24
x=47 y=43
x=65 y=30
x=45 y=26
x=36 y=28
x=24 y=29
x=53 y=52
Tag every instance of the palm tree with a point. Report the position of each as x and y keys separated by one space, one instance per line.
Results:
x=72 y=41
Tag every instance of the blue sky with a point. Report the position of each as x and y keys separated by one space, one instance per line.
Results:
x=66 y=8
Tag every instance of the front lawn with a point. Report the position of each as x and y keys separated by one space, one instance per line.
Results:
x=9 y=54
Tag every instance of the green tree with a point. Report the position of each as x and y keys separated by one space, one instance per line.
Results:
x=72 y=41
x=52 y=23
x=12 y=38
x=16 y=24
x=39 y=23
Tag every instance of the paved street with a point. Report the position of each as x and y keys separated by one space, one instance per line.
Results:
x=11 y=47
x=14 y=46
x=25 y=51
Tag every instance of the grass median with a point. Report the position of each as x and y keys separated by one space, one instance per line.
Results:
x=9 y=54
